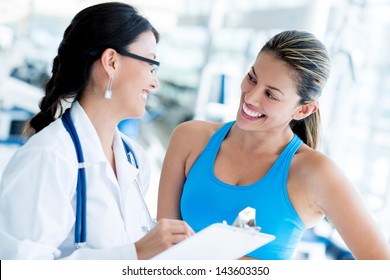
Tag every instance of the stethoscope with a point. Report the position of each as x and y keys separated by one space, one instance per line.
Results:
x=80 y=233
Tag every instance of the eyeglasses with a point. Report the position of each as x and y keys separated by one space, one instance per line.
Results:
x=153 y=63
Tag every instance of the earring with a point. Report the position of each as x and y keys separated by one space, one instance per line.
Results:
x=108 y=92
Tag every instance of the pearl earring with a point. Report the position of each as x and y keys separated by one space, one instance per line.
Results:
x=108 y=92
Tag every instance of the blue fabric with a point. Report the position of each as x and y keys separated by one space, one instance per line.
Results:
x=206 y=200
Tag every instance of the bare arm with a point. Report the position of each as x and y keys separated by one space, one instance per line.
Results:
x=342 y=204
x=187 y=142
x=170 y=230
x=172 y=177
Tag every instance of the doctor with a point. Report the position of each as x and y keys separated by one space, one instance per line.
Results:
x=55 y=204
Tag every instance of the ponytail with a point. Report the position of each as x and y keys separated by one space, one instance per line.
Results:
x=57 y=89
x=49 y=105
x=308 y=129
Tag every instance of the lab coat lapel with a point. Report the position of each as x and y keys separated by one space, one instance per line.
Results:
x=126 y=172
x=129 y=199
x=89 y=139
x=90 y=142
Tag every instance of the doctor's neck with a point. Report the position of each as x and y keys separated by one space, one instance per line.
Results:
x=105 y=124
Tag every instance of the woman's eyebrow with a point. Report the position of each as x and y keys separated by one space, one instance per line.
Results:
x=271 y=87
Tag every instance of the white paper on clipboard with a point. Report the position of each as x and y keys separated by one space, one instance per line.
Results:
x=217 y=242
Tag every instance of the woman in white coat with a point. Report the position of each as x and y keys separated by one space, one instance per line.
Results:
x=106 y=68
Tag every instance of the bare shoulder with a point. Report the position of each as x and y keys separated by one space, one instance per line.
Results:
x=189 y=139
x=318 y=176
x=312 y=162
x=199 y=126
x=195 y=132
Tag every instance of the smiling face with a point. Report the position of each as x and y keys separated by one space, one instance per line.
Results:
x=135 y=79
x=269 y=99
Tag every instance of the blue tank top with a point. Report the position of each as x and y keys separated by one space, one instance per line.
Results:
x=206 y=200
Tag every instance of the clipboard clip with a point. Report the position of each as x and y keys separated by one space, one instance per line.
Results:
x=247 y=219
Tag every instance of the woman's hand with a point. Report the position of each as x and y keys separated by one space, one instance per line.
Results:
x=163 y=236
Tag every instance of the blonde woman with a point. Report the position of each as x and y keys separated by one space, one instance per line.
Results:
x=267 y=159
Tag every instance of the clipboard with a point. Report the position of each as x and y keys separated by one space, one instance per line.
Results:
x=217 y=242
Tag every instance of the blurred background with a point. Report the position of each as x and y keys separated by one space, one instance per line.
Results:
x=206 y=48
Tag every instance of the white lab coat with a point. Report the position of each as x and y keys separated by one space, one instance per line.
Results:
x=37 y=196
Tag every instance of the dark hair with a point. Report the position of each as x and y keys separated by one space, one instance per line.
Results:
x=93 y=30
x=308 y=57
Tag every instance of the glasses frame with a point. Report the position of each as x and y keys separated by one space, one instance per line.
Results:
x=135 y=56
x=142 y=58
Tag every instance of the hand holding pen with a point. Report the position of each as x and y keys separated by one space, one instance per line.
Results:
x=164 y=235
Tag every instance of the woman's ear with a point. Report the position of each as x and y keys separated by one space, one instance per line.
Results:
x=305 y=110
x=108 y=60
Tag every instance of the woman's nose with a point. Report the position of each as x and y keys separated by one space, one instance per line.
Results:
x=253 y=95
x=155 y=83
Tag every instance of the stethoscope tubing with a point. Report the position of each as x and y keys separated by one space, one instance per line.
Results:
x=81 y=190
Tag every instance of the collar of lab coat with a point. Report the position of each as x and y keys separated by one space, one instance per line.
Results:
x=93 y=151
x=126 y=172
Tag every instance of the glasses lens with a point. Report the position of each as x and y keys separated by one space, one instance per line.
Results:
x=153 y=68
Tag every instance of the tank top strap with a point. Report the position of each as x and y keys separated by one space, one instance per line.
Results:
x=288 y=153
x=218 y=137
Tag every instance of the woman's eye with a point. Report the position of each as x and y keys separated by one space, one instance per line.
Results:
x=251 y=78
x=153 y=68
x=269 y=94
